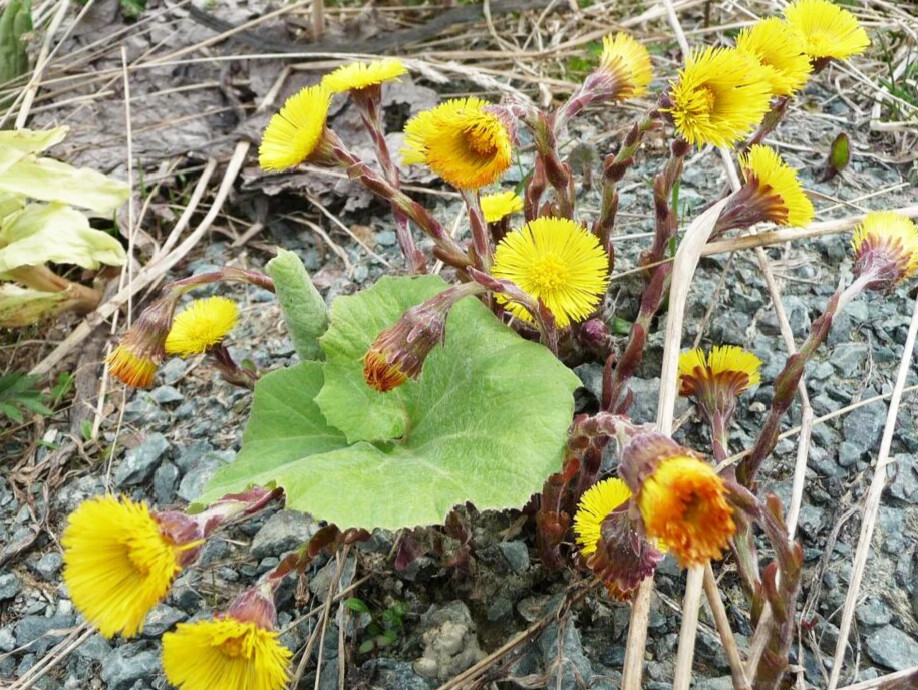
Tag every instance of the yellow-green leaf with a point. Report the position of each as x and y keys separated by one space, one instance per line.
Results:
x=46 y=179
x=22 y=306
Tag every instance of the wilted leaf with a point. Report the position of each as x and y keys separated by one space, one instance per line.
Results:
x=22 y=306
x=303 y=306
x=54 y=232
x=46 y=179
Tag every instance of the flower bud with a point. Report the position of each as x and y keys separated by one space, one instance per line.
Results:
x=138 y=355
x=885 y=246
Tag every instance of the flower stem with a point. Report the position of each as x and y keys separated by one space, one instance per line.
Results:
x=481 y=240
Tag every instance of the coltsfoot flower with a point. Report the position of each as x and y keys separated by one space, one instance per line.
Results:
x=500 y=205
x=361 y=75
x=626 y=65
x=770 y=192
x=555 y=260
x=134 y=369
x=595 y=505
x=727 y=366
x=201 y=325
x=720 y=95
x=136 y=358
x=885 y=246
x=237 y=651
x=829 y=31
x=119 y=562
x=463 y=140
x=682 y=500
x=778 y=47
x=296 y=133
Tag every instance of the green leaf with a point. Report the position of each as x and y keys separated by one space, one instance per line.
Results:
x=16 y=144
x=23 y=306
x=15 y=25
x=356 y=605
x=17 y=390
x=46 y=179
x=486 y=421
x=303 y=307
x=55 y=232
x=285 y=427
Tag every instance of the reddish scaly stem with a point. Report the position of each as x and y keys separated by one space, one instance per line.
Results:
x=481 y=240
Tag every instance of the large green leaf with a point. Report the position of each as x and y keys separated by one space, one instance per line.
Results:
x=285 y=427
x=46 y=179
x=486 y=421
x=16 y=144
x=54 y=232
x=304 y=309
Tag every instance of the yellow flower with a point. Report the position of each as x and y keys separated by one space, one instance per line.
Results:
x=558 y=261
x=720 y=95
x=118 y=563
x=461 y=141
x=886 y=243
x=135 y=370
x=498 y=206
x=595 y=505
x=226 y=653
x=683 y=506
x=201 y=325
x=828 y=30
x=778 y=47
x=380 y=374
x=294 y=133
x=628 y=62
x=763 y=167
x=728 y=366
x=360 y=75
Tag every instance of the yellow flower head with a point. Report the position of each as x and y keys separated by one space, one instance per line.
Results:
x=201 y=325
x=727 y=367
x=118 y=563
x=628 y=63
x=778 y=47
x=828 y=30
x=294 y=133
x=595 y=505
x=720 y=95
x=683 y=505
x=498 y=206
x=777 y=194
x=557 y=261
x=134 y=369
x=461 y=140
x=886 y=243
x=360 y=75
x=225 y=653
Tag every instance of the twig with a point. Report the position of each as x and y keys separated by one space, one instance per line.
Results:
x=882 y=680
x=740 y=682
x=872 y=504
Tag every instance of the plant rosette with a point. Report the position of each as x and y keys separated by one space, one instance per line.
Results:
x=485 y=422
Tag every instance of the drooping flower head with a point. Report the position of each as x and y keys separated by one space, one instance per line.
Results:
x=610 y=540
x=770 y=192
x=201 y=325
x=119 y=562
x=625 y=65
x=463 y=140
x=885 y=245
x=141 y=350
x=356 y=76
x=498 y=206
x=681 y=499
x=398 y=353
x=296 y=133
x=715 y=381
x=720 y=95
x=778 y=47
x=829 y=31
x=555 y=260
x=237 y=651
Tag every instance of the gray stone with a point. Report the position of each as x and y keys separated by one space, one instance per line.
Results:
x=517 y=555
x=74 y=492
x=891 y=528
x=140 y=462
x=49 y=565
x=10 y=586
x=904 y=484
x=646 y=392
x=7 y=640
x=143 y=412
x=166 y=394
x=285 y=530
x=863 y=426
x=450 y=643
x=390 y=674
x=892 y=648
x=848 y=358
x=798 y=315
x=161 y=619
x=386 y=238
x=96 y=648
x=164 y=481
x=321 y=582
x=173 y=370
x=195 y=479
x=121 y=672
x=42 y=633
x=190 y=456
x=873 y=612
x=722 y=683
x=848 y=453
x=568 y=668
